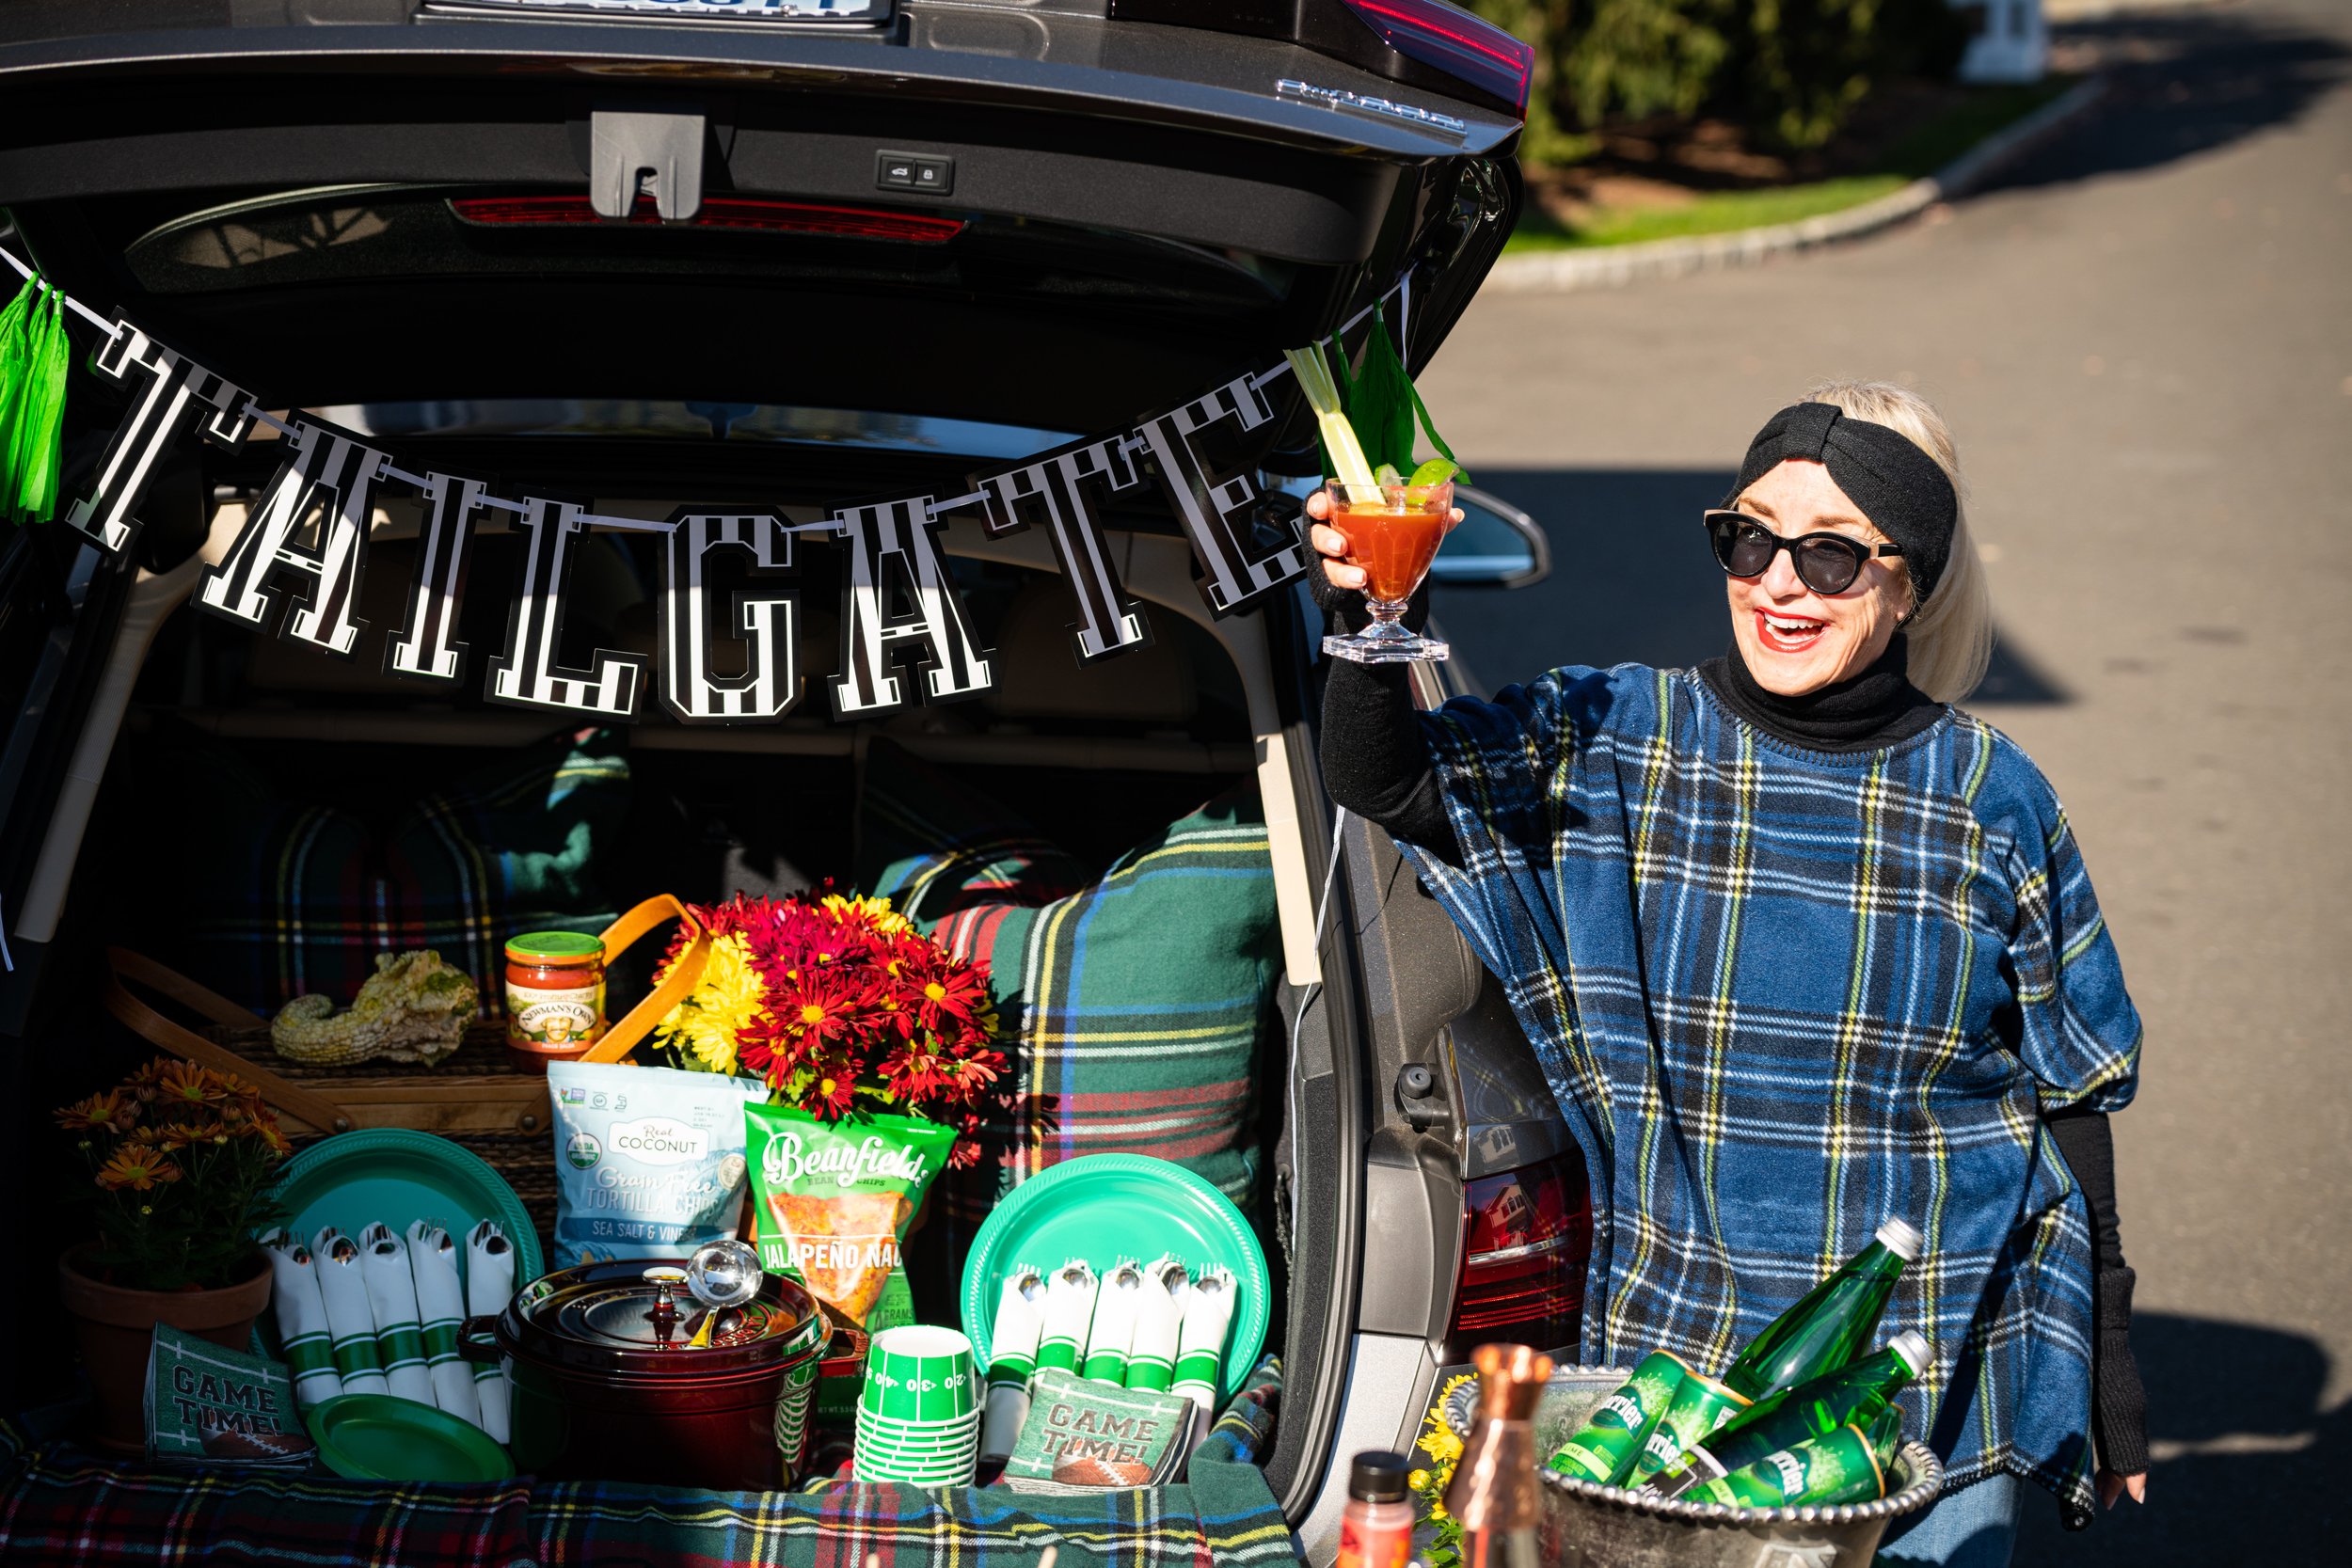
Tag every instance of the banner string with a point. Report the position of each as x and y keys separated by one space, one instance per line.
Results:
x=1403 y=292
x=70 y=303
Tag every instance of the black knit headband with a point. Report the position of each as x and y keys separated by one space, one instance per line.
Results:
x=1902 y=490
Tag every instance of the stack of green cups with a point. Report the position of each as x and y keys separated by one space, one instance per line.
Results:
x=918 y=1414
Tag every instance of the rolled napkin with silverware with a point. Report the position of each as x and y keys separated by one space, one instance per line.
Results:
x=1113 y=1329
x=489 y=1286
x=1069 y=1292
x=441 y=1308
x=350 y=1319
x=1159 y=1323
x=1200 y=1345
x=392 y=1297
x=303 y=1336
x=1011 y=1360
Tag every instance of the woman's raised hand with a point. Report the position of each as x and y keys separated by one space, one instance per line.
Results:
x=1330 y=544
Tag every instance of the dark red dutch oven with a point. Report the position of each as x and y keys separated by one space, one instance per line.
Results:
x=606 y=1385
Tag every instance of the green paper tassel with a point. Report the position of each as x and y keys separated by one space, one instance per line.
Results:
x=35 y=354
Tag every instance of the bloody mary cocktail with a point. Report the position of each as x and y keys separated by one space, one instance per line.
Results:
x=1392 y=533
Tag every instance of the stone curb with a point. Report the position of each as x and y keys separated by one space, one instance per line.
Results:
x=1560 y=272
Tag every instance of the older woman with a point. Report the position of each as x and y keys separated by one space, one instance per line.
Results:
x=1803 y=947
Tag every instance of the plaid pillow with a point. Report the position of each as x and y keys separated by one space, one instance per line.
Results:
x=1132 y=1007
x=934 y=846
x=287 y=899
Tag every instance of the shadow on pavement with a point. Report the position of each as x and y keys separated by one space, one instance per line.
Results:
x=1631 y=583
x=2246 y=1466
x=2181 y=84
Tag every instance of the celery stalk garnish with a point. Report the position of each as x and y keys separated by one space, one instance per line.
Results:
x=1339 y=436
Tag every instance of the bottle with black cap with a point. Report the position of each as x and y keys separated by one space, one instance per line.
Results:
x=1376 y=1526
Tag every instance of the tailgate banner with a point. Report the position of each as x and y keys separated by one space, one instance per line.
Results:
x=1247 y=543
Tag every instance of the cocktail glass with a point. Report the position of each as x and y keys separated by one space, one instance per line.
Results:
x=1394 y=539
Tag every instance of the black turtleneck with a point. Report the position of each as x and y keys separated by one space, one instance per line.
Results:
x=1864 y=713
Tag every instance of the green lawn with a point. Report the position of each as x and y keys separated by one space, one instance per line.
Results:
x=1922 y=152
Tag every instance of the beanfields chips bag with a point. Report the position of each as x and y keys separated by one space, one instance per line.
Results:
x=648 y=1160
x=834 y=1199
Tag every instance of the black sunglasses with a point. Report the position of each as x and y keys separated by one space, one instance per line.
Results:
x=1825 y=562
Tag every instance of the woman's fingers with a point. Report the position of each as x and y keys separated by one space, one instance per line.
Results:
x=1331 y=544
x=2112 y=1486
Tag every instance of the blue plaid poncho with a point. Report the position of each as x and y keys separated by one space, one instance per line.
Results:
x=1783 y=995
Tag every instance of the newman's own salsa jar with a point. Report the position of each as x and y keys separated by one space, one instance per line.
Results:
x=554 y=996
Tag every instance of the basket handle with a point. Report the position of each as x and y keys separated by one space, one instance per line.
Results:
x=684 y=975
x=314 y=1110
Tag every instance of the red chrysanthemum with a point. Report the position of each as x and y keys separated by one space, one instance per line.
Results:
x=853 y=1001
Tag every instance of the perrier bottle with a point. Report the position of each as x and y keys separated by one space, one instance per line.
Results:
x=1823 y=1332
x=1853 y=1394
x=1847 y=1465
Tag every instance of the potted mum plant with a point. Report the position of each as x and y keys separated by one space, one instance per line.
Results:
x=182 y=1161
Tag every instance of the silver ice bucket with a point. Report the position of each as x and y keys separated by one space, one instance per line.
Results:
x=1600 y=1526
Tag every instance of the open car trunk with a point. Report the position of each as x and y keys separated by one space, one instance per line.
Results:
x=397 y=229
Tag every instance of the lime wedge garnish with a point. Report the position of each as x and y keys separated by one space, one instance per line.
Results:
x=1387 y=474
x=1436 y=471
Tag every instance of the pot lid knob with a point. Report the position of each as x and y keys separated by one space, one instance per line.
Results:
x=664 y=1279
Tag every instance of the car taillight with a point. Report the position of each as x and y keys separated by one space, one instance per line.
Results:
x=716 y=212
x=1455 y=41
x=1527 y=1235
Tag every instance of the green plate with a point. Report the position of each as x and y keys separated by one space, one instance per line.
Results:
x=1107 y=1207
x=392 y=1174
x=378 y=1438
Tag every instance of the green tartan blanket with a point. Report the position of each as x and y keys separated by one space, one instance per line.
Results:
x=61 y=1504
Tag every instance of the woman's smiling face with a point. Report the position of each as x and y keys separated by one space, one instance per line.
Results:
x=1794 y=639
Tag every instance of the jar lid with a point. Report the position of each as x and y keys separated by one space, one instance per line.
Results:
x=558 y=948
x=636 y=1318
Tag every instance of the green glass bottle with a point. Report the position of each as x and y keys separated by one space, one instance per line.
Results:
x=1834 y=1322
x=1856 y=1394
x=1822 y=1332
x=1847 y=1465
x=1604 y=1447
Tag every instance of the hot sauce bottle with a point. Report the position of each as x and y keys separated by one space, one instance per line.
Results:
x=1376 y=1526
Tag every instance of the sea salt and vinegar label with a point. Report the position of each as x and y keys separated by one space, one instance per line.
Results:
x=649 y=1161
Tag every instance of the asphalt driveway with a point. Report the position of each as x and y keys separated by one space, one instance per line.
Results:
x=2143 y=341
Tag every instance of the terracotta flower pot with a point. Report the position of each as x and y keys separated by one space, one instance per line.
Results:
x=116 y=1326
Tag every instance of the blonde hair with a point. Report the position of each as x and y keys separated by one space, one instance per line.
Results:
x=1951 y=635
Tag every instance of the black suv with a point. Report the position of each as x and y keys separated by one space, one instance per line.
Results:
x=656 y=252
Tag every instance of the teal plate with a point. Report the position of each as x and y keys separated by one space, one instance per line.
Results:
x=400 y=1176
x=1107 y=1207
x=380 y=1437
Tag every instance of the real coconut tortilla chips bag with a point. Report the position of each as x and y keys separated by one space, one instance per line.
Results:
x=833 y=1198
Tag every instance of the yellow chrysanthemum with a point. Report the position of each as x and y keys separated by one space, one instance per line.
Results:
x=730 y=996
x=877 y=912
x=1441 y=1445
